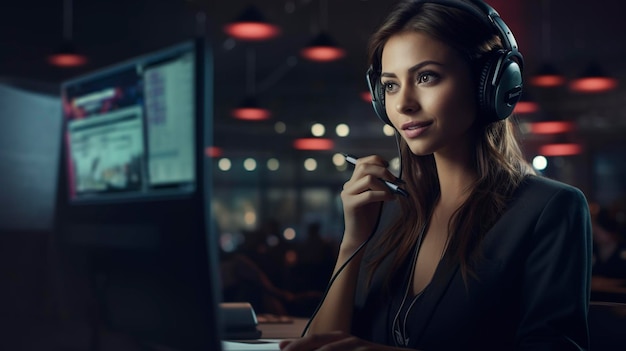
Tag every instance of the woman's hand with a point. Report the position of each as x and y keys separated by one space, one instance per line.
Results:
x=362 y=196
x=334 y=341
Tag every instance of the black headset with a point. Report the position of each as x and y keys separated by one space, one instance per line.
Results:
x=500 y=77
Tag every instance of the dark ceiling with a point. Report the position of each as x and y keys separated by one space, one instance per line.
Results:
x=300 y=92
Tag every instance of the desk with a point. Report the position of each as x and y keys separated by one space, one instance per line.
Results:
x=270 y=332
x=283 y=330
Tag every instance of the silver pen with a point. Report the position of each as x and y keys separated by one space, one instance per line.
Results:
x=393 y=187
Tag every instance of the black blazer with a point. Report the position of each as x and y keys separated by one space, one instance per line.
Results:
x=531 y=292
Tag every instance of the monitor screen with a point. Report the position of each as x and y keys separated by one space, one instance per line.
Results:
x=129 y=130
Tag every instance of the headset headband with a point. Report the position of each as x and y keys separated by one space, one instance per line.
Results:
x=487 y=15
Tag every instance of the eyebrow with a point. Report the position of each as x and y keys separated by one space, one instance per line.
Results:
x=414 y=68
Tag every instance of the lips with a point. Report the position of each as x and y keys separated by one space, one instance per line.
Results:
x=415 y=129
x=415 y=125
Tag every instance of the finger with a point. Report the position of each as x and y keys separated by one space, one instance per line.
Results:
x=364 y=184
x=384 y=190
x=376 y=168
x=363 y=169
x=373 y=159
x=369 y=197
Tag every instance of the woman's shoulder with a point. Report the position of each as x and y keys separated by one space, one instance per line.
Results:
x=545 y=208
x=538 y=194
x=540 y=187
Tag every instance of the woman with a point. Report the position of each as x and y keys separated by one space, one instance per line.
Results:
x=483 y=254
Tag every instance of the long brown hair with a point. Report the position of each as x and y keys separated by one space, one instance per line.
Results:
x=498 y=161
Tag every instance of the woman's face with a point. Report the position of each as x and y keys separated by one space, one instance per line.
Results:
x=429 y=94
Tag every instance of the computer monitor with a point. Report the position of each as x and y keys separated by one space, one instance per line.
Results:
x=130 y=130
x=133 y=220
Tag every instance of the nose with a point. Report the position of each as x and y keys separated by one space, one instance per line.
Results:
x=407 y=100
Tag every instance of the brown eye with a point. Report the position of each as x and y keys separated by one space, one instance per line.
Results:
x=427 y=77
x=390 y=87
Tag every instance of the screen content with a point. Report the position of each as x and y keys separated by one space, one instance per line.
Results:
x=129 y=131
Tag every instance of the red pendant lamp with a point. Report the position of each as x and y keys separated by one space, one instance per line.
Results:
x=313 y=144
x=552 y=127
x=526 y=105
x=251 y=26
x=213 y=151
x=547 y=76
x=249 y=109
x=322 y=48
x=561 y=149
x=593 y=80
x=67 y=55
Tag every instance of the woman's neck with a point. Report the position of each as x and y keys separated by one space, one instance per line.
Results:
x=456 y=176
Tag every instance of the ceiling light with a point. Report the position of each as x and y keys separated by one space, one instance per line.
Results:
x=547 y=77
x=318 y=129
x=389 y=130
x=342 y=130
x=526 y=105
x=551 y=127
x=322 y=49
x=560 y=149
x=366 y=96
x=251 y=25
x=310 y=164
x=67 y=55
x=249 y=110
x=593 y=80
x=67 y=58
x=249 y=164
x=280 y=127
x=540 y=163
x=317 y=144
x=224 y=164
x=273 y=164
x=213 y=151
x=339 y=160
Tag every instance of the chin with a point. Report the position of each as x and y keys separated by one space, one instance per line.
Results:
x=420 y=150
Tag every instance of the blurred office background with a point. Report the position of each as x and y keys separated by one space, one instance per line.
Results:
x=276 y=175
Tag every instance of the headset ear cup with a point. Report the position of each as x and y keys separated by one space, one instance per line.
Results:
x=496 y=102
x=485 y=89
x=509 y=89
